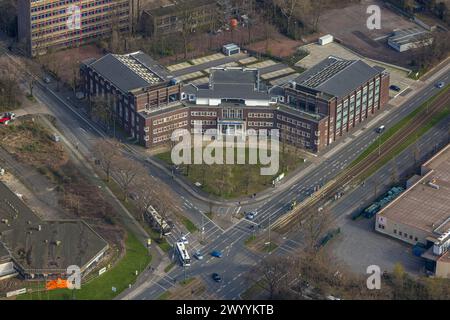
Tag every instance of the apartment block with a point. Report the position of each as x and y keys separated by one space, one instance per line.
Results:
x=57 y=24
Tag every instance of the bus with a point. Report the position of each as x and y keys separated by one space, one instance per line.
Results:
x=183 y=254
x=157 y=222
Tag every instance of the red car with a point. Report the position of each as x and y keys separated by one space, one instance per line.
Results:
x=7 y=117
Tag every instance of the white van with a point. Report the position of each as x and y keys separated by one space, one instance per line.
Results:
x=380 y=129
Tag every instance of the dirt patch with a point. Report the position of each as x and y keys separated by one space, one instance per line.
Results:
x=30 y=143
x=349 y=25
x=279 y=45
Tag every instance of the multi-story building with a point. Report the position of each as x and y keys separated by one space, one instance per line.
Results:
x=346 y=91
x=236 y=100
x=52 y=24
x=421 y=215
x=136 y=88
x=185 y=15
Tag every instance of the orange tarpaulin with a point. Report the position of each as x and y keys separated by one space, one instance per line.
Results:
x=56 y=284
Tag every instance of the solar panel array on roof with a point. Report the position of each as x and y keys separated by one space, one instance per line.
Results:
x=323 y=75
x=139 y=69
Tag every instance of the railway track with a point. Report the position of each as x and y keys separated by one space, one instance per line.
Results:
x=360 y=169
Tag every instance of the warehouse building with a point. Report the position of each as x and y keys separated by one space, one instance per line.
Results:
x=312 y=112
x=35 y=248
x=421 y=215
x=45 y=25
x=412 y=38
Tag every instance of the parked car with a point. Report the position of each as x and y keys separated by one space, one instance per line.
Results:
x=440 y=85
x=216 y=254
x=198 y=255
x=55 y=137
x=216 y=277
x=395 y=88
x=380 y=129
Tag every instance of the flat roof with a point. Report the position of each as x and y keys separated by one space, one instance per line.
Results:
x=426 y=205
x=410 y=35
x=130 y=71
x=234 y=76
x=57 y=245
x=336 y=76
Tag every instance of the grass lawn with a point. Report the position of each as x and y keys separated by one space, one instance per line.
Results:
x=249 y=240
x=269 y=248
x=232 y=181
x=253 y=291
x=190 y=226
x=164 y=296
x=187 y=281
x=120 y=276
x=169 y=267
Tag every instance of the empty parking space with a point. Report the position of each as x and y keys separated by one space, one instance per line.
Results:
x=213 y=57
x=248 y=60
x=179 y=66
x=189 y=76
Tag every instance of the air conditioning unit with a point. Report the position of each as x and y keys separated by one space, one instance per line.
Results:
x=146 y=129
x=146 y=138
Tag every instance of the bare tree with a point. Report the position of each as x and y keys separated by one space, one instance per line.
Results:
x=125 y=172
x=145 y=188
x=107 y=153
x=272 y=274
x=315 y=224
x=288 y=8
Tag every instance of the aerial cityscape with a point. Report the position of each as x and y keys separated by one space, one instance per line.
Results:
x=224 y=150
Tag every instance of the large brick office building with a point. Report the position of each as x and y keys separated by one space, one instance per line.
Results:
x=313 y=111
x=43 y=24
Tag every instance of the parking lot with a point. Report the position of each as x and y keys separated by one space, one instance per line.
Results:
x=399 y=75
x=349 y=25
x=359 y=246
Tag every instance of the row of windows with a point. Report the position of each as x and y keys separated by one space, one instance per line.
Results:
x=203 y=113
x=203 y=122
x=65 y=3
x=260 y=115
x=170 y=127
x=101 y=28
x=294 y=130
x=259 y=124
x=404 y=234
x=64 y=11
x=63 y=20
x=162 y=138
x=170 y=118
x=294 y=122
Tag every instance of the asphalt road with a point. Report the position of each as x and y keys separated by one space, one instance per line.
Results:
x=237 y=259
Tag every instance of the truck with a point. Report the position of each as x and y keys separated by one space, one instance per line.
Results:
x=7 y=117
